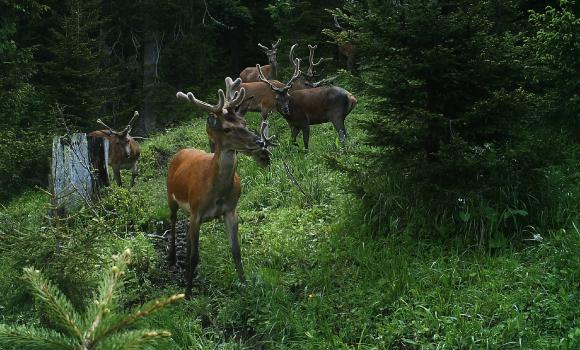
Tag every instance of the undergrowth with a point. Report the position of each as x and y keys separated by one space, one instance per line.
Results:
x=318 y=276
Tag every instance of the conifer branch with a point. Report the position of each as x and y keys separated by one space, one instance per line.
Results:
x=148 y=309
x=99 y=325
x=60 y=309
x=139 y=339
x=107 y=290
x=24 y=337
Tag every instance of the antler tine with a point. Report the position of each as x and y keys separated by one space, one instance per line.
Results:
x=275 y=45
x=131 y=122
x=99 y=121
x=261 y=77
x=296 y=74
x=266 y=141
x=292 y=52
x=263 y=47
x=204 y=105
x=323 y=81
x=237 y=99
x=312 y=48
x=231 y=85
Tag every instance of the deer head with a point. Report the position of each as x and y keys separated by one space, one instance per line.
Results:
x=271 y=53
x=282 y=94
x=225 y=124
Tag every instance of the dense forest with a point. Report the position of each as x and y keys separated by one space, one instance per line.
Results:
x=448 y=218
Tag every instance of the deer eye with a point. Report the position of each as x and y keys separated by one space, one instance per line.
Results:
x=227 y=130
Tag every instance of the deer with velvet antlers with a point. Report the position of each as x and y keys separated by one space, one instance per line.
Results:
x=250 y=74
x=206 y=185
x=308 y=80
x=302 y=108
x=124 y=151
x=263 y=96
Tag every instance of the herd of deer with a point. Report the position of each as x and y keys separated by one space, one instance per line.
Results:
x=206 y=185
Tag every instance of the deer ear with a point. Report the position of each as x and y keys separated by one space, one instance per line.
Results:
x=213 y=122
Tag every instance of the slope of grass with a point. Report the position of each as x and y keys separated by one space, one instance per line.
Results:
x=317 y=278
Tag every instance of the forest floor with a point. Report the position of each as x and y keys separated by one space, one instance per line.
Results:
x=318 y=278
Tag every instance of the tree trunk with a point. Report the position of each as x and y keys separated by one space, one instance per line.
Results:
x=148 y=112
x=79 y=169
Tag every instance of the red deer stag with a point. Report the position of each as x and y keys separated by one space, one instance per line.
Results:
x=302 y=108
x=250 y=74
x=262 y=97
x=124 y=151
x=206 y=185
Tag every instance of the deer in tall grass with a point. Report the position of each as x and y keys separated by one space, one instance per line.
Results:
x=124 y=151
x=206 y=185
x=250 y=74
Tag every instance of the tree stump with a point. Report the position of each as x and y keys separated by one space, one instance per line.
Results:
x=79 y=170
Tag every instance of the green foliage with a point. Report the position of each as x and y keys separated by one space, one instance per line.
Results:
x=100 y=327
x=459 y=134
x=318 y=275
x=555 y=49
x=74 y=75
x=468 y=112
x=25 y=123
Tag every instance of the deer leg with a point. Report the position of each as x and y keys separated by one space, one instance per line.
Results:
x=192 y=253
x=231 y=220
x=133 y=173
x=294 y=130
x=306 y=135
x=171 y=254
x=265 y=115
x=117 y=175
x=340 y=130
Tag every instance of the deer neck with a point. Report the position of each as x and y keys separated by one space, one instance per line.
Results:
x=224 y=166
x=274 y=66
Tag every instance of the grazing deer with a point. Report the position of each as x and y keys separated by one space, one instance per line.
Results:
x=302 y=108
x=124 y=151
x=250 y=74
x=206 y=185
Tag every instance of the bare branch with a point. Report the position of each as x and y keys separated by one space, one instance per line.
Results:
x=208 y=14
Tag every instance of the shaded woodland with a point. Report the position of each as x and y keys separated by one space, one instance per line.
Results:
x=449 y=216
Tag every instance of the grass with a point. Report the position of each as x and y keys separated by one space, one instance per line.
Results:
x=317 y=278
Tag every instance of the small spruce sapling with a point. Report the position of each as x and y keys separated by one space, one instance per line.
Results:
x=100 y=327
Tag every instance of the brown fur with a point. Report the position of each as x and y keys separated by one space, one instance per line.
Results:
x=207 y=185
x=316 y=106
x=263 y=99
x=118 y=158
x=250 y=74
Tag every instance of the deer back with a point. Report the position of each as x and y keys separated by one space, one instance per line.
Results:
x=264 y=98
x=250 y=74
x=318 y=105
